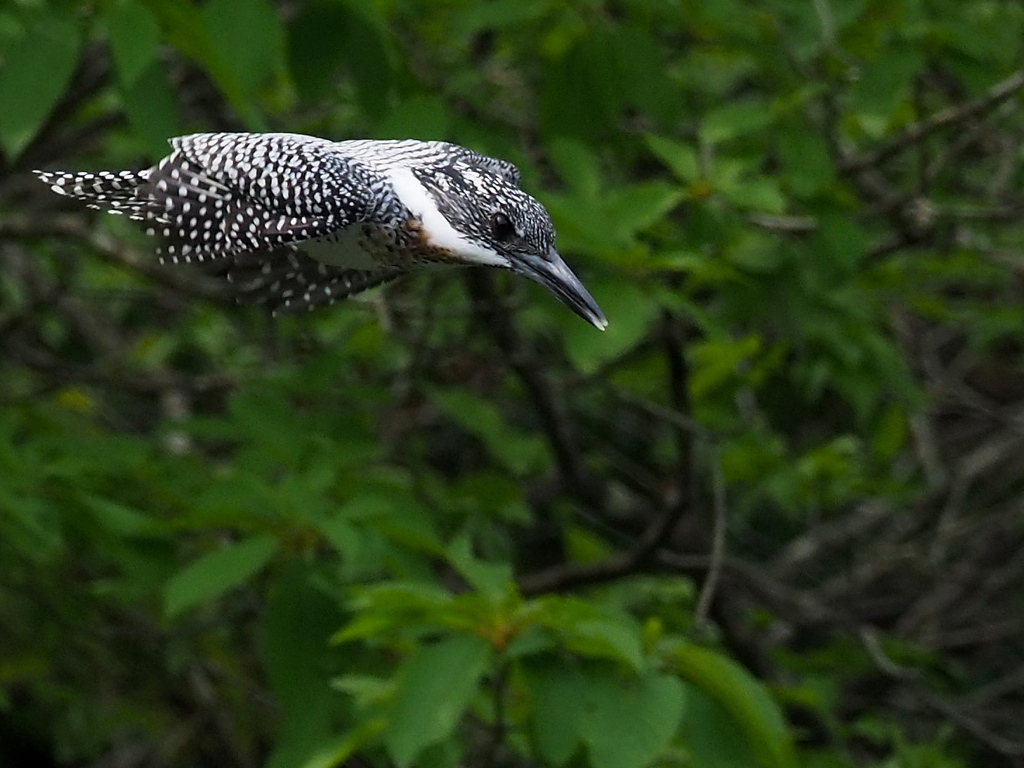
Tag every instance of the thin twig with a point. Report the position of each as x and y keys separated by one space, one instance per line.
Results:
x=941 y=119
x=790 y=225
x=73 y=227
x=718 y=540
x=658 y=411
x=639 y=559
x=499 y=727
x=140 y=382
x=912 y=679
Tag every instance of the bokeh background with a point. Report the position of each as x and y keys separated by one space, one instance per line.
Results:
x=772 y=517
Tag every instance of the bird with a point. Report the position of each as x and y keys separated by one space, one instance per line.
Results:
x=297 y=222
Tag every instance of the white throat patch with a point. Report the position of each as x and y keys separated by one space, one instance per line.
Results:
x=436 y=227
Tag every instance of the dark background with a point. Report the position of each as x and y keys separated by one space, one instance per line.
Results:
x=771 y=517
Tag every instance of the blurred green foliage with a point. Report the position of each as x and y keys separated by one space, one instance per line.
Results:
x=367 y=536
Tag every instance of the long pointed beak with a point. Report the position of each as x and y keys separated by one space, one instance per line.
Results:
x=554 y=274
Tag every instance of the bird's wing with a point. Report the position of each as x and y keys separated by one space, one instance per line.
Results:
x=224 y=194
x=221 y=194
x=287 y=280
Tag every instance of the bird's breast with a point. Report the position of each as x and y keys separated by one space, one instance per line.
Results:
x=373 y=246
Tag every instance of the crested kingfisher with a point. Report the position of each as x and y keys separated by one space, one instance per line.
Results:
x=297 y=222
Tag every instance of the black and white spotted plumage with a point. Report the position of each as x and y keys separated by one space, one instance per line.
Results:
x=289 y=281
x=298 y=222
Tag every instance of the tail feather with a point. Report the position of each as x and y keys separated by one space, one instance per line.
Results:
x=111 y=191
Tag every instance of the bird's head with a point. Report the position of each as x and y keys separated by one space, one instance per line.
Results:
x=485 y=218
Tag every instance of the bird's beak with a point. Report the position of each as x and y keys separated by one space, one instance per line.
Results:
x=554 y=274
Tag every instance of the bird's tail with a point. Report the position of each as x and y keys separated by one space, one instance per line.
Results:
x=111 y=191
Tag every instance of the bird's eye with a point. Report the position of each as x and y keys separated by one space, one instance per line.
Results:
x=502 y=228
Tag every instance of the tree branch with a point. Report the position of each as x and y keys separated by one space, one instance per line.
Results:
x=495 y=317
x=72 y=227
x=941 y=119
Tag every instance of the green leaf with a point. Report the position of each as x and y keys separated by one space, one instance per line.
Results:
x=435 y=685
x=120 y=519
x=249 y=35
x=519 y=451
x=425 y=116
x=807 y=165
x=268 y=418
x=759 y=193
x=841 y=241
x=497 y=14
x=710 y=734
x=642 y=59
x=557 y=700
x=391 y=605
x=313 y=56
x=337 y=751
x=719 y=361
x=183 y=26
x=297 y=626
x=134 y=39
x=890 y=434
x=34 y=73
x=592 y=631
x=630 y=315
x=577 y=89
x=735 y=119
x=607 y=638
x=884 y=84
x=149 y=98
x=635 y=207
x=625 y=721
x=491 y=579
x=32 y=526
x=216 y=572
x=152 y=109
x=236 y=498
x=344 y=537
x=680 y=158
x=370 y=54
x=747 y=702
x=630 y=722
x=329 y=33
x=578 y=166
